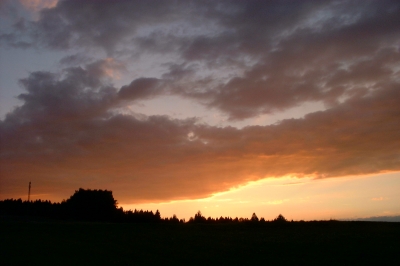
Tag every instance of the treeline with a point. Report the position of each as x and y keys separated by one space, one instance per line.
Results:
x=83 y=205
x=199 y=218
x=100 y=205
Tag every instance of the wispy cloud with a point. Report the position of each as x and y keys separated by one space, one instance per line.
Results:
x=275 y=202
x=380 y=199
x=291 y=184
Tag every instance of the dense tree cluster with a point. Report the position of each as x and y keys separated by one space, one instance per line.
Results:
x=100 y=205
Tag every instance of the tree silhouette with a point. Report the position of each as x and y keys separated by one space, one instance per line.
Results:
x=92 y=204
x=254 y=217
x=280 y=219
x=158 y=215
x=199 y=218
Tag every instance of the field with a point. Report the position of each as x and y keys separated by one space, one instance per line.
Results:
x=317 y=243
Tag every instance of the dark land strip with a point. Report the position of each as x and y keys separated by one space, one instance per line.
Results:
x=30 y=241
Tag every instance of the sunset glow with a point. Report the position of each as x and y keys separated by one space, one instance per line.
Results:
x=301 y=199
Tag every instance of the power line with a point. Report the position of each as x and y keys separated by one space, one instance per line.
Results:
x=29 y=192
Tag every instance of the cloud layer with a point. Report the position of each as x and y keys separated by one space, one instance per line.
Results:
x=241 y=58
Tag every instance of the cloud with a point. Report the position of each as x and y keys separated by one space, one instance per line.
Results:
x=101 y=24
x=379 y=199
x=37 y=5
x=67 y=134
x=276 y=202
x=246 y=58
x=140 y=88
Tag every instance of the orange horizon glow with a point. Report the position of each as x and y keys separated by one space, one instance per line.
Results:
x=318 y=201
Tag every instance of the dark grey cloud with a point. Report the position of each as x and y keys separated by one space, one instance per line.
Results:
x=140 y=88
x=101 y=24
x=75 y=60
x=280 y=54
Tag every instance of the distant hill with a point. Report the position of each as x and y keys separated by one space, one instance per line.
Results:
x=379 y=219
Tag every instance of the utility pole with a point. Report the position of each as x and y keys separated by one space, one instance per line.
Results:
x=29 y=192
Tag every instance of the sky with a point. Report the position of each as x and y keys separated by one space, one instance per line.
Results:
x=227 y=107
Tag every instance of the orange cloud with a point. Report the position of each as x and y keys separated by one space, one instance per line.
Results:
x=65 y=137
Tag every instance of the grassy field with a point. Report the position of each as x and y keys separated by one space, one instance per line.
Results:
x=74 y=243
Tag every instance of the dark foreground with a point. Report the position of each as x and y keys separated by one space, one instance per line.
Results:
x=44 y=242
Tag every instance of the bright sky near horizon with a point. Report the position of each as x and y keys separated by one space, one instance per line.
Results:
x=227 y=107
